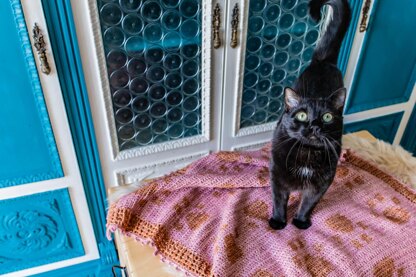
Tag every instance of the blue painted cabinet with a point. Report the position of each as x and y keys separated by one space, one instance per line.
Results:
x=46 y=222
x=382 y=74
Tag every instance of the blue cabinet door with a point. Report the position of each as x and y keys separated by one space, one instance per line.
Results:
x=382 y=95
x=45 y=223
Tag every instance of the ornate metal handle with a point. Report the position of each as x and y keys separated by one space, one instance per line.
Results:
x=364 y=20
x=234 y=26
x=216 y=23
x=40 y=45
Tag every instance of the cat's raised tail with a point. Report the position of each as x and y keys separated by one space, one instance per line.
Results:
x=330 y=43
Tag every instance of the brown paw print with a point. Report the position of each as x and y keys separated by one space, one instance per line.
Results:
x=387 y=268
x=258 y=210
x=313 y=262
x=347 y=231
x=342 y=171
x=232 y=250
x=355 y=182
x=389 y=208
x=262 y=273
x=263 y=176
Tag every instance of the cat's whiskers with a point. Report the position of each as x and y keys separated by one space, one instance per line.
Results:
x=332 y=148
x=288 y=155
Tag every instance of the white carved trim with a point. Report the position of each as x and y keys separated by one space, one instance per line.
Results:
x=105 y=87
x=205 y=90
x=241 y=65
x=136 y=174
x=251 y=146
x=262 y=128
x=160 y=147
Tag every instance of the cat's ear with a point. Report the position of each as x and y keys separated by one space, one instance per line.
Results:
x=337 y=98
x=291 y=98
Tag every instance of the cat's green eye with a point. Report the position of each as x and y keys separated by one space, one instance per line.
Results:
x=327 y=117
x=301 y=116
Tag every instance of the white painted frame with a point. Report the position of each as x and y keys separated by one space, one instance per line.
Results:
x=71 y=180
x=406 y=107
x=115 y=163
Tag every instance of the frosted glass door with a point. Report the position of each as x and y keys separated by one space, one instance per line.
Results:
x=153 y=57
x=155 y=75
x=277 y=45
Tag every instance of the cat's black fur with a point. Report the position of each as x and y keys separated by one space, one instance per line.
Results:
x=305 y=153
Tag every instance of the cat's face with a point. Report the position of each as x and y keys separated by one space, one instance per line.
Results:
x=314 y=122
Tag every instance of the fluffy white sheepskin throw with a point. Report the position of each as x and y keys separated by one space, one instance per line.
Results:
x=393 y=159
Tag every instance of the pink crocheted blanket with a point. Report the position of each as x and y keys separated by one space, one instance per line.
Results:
x=210 y=219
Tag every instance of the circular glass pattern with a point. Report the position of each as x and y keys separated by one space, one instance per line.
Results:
x=189 y=8
x=122 y=98
x=189 y=28
x=171 y=20
x=157 y=92
x=139 y=85
x=135 y=46
x=272 y=12
x=153 y=32
x=114 y=37
x=119 y=78
x=132 y=24
x=130 y=5
x=252 y=62
x=151 y=10
x=172 y=61
x=256 y=24
x=116 y=59
x=153 y=54
x=110 y=14
x=142 y=121
x=136 y=67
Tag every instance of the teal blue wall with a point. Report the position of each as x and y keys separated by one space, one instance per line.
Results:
x=386 y=69
x=383 y=127
x=27 y=147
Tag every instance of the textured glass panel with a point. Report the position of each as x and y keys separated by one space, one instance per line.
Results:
x=280 y=42
x=153 y=55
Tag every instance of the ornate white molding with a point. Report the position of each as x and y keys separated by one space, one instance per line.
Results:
x=251 y=146
x=160 y=147
x=135 y=174
x=256 y=129
x=105 y=86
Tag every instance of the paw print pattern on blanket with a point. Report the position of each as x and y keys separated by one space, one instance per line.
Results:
x=387 y=268
x=389 y=208
x=343 y=225
x=312 y=261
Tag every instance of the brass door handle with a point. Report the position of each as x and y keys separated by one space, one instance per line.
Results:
x=216 y=23
x=234 y=26
x=364 y=19
x=40 y=45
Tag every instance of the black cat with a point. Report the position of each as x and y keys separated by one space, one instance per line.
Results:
x=307 y=141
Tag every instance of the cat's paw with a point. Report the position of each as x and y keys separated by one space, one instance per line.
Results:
x=276 y=224
x=302 y=224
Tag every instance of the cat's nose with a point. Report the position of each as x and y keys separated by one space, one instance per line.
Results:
x=313 y=137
